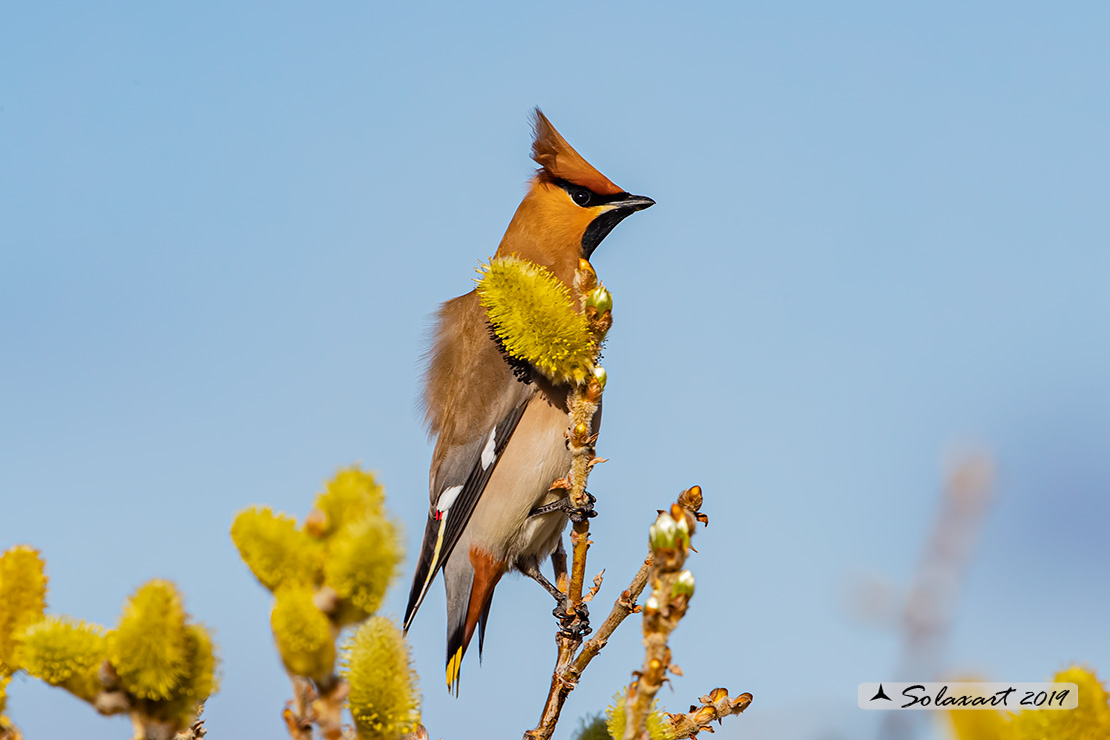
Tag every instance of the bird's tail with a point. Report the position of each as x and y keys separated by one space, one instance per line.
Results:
x=470 y=586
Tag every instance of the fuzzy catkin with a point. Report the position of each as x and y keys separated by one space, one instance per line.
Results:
x=147 y=648
x=384 y=699
x=531 y=313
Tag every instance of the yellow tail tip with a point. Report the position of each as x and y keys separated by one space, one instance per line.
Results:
x=454 y=665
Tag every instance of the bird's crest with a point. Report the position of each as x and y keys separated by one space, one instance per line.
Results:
x=559 y=161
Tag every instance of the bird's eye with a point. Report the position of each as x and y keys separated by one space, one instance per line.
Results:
x=581 y=196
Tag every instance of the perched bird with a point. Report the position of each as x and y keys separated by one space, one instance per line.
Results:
x=500 y=432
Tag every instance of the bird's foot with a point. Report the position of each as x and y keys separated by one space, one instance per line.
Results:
x=576 y=514
x=579 y=514
x=574 y=624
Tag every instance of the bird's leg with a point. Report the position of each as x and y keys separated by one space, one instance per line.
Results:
x=578 y=623
x=532 y=570
x=559 y=564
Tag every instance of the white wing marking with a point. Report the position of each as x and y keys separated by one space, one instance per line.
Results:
x=447 y=498
x=489 y=454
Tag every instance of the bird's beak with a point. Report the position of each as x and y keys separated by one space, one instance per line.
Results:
x=612 y=214
x=634 y=203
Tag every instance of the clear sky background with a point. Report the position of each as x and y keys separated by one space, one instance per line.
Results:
x=882 y=233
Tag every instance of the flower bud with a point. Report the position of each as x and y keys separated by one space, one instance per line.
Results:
x=664 y=534
x=581 y=433
x=684 y=585
x=600 y=299
x=600 y=376
x=683 y=523
x=691 y=498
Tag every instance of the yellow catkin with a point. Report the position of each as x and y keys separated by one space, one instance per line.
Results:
x=531 y=313
x=362 y=560
x=22 y=599
x=276 y=551
x=65 y=652
x=349 y=497
x=197 y=682
x=979 y=724
x=200 y=660
x=1089 y=721
x=384 y=699
x=593 y=728
x=303 y=633
x=658 y=726
x=148 y=646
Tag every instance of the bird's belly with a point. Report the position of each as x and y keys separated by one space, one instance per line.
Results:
x=538 y=536
x=535 y=457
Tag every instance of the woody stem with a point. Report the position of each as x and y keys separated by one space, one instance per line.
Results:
x=582 y=411
x=583 y=403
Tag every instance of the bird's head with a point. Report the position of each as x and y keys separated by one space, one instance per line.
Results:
x=570 y=206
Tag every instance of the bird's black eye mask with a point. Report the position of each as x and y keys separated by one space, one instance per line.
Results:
x=600 y=227
x=587 y=198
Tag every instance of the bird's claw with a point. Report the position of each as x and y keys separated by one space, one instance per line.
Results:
x=574 y=624
x=579 y=514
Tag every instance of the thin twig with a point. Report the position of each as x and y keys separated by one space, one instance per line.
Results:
x=933 y=596
x=328 y=709
x=583 y=404
x=195 y=731
x=714 y=707
x=565 y=677
x=659 y=622
x=622 y=607
x=298 y=712
x=9 y=731
x=318 y=704
x=671 y=591
x=568 y=668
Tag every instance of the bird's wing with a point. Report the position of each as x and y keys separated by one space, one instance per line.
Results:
x=464 y=473
x=474 y=403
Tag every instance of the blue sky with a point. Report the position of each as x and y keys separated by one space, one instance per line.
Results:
x=881 y=235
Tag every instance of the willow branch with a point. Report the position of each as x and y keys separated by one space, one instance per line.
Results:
x=567 y=672
x=298 y=711
x=569 y=668
x=714 y=708
x=622 y=607
x=195 y=731
x=9 y=731
x=933 y=595
x=583 y=402
x=583 y=406
x=112 y=699
x=672 y=588
x=658 y=625
x=317 y=704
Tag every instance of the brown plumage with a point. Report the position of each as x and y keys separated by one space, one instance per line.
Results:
x=558 y=159
x=499 y=437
